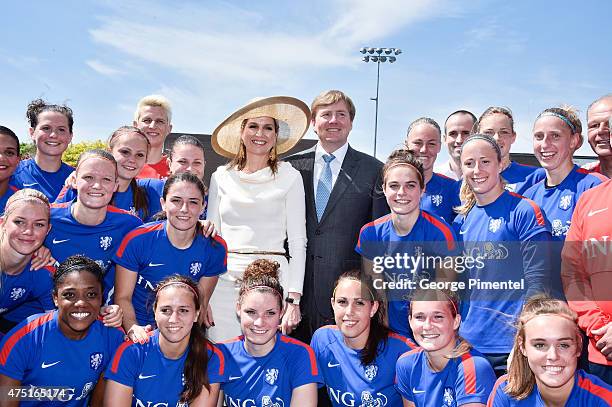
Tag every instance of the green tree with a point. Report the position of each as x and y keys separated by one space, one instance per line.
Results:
x=72 y=153
x=27 y=150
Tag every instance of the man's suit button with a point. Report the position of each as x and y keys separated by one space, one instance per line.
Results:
x=317 y=232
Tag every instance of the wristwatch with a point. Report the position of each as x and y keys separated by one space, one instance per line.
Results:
x=294 y=301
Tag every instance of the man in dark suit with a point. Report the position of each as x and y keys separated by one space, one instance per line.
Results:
x=343 y=193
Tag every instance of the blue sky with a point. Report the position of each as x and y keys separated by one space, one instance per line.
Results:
x=209 y=58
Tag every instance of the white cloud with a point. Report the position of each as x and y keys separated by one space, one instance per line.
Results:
x=103 y=69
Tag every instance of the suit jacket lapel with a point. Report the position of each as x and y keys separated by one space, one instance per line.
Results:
x=308 y=174
x=345 y=178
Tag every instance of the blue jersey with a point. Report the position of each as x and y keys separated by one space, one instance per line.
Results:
x=100 y=242
x=468 y=378
x=558 y=202
x=430 y=237
x=26 y=293
x=11 y=189
x=148 y=252
x=520 y=177
x=348 y=382
x=497 y=234
x=156 y=380
x=588 y=391
x=441 y=196
x=37 y=353
x=29 y=175
x=269 y=379
x=125 y=200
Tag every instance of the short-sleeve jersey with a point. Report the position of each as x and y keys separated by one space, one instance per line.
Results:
x=29 y=175
x=158 y=170
x=269 y=379
x=37 y=353
x=520 y=177
x=588 y=391
x=441 y=196
x=100 y=242
x=148 y=251
x=348 y=382
x=26 y=293
x=11 y=189
x=155 y=379
x=558 y=202
x=430 y=236
x=468 y=378
x=125 y=200
x=494 y=233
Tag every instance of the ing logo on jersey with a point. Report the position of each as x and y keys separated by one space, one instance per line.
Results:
x=95 y=360
x=565 y=202
x=86 y=389
x=495 y=224
x=370 y=372
x=17 y=293
x=266 y=401
x=558 y=229
x=449 y=397
x=195 y=267
x=436 y=200
x=271 y=376
x=105 y=242
x=368 y=400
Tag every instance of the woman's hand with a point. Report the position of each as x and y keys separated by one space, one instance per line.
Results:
x=206 y=318
x=112 y=316
x=41 y=258
x=139 y=334
x=291 y=319
x=208 y=228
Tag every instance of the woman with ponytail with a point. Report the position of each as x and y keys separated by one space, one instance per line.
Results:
x=130 y=148
x=274 y=369
x=544 y=369
x=507 y=237
x=357 y=355
x=445 y=370
x=178 y=364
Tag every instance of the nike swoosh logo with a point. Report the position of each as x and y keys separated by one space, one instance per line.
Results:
x=140 y=376
x=56 y=241
x=155 y=264
x=415 y=391
x=462 y=232
x=591 y=213
x=330 y=364
x=29 y=185
x=46 y=365
x=234 y=377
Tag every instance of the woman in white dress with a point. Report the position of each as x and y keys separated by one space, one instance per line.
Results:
x=257 y=203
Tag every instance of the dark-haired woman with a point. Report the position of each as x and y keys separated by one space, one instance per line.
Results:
x=408 y=232
x=89 y=224
x=178 y=364
x=130 y=147
x=357 y=355
x=156 y=250
x=51 y=131
x=9 y=159
x=445 y=370
x=274 y=369
x=66 y=350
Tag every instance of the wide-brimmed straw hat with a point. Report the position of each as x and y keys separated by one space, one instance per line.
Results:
x=292 y=115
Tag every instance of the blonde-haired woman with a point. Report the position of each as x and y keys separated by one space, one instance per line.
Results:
x=257 y=202
x=544 y=366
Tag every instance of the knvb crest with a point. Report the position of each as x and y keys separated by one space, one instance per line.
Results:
x=495 y=224
x=271 y=376
x=195 y=267
x=95 y=360
x=449 y=397
x=565 y=202
x=436 y=200
x=105 y=242
x=17 y=293
x=370 y=372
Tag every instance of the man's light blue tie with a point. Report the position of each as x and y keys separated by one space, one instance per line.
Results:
x=324 y=186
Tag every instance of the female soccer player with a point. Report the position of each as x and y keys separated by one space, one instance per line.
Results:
x=89 y=225
x=129 y=146
x=407 y=232
x=9 y=159
x=274 y=368
x=178 y=364
x=257 y=201
x=556 y=136
x=357 y=355
x=507 y=236
x=65 y=351
x=51 y=131
x=544 y=366
x=498 y=123
x=172 y=246
x=445 y=370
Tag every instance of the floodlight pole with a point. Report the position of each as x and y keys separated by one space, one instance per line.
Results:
x=376 y=100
